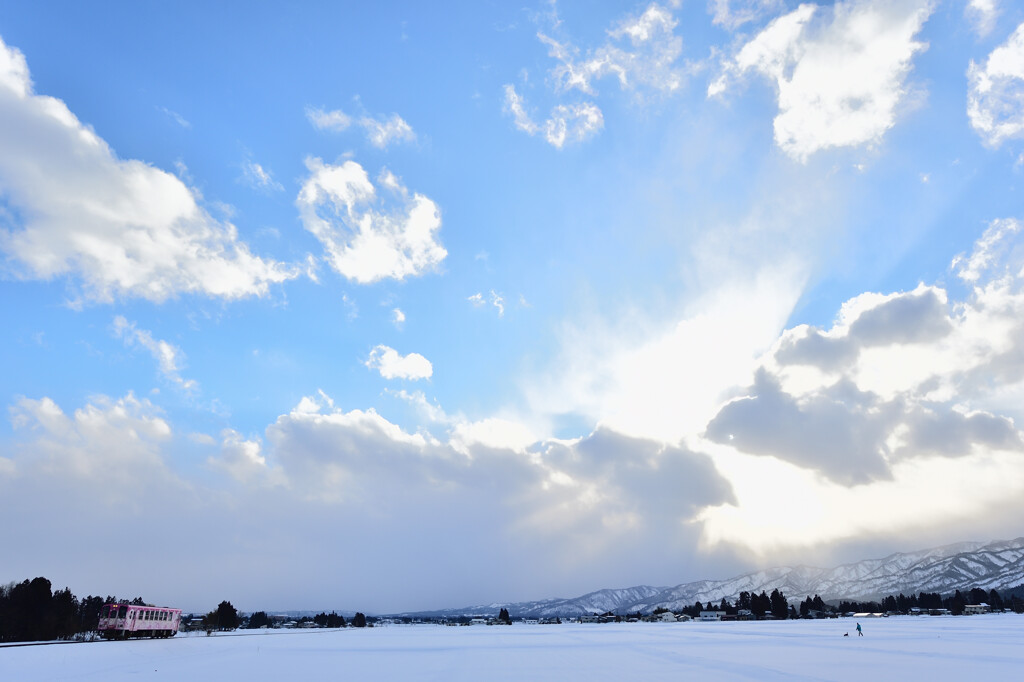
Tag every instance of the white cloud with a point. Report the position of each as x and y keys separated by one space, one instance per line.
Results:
x=123 y=227
x=492 y=432
x=840 y=73
x=178 y=118
x=990 y=250
x=383 y=132
x=583 y=496
x=393 y=365
x=380 y=132
x=113 y=441
x=641 y=53
x=243 y=460
x=168 y=357
x=906 y=410
x=982 y=15
x=666 y=382
x=258 y=177
x=514 y=105
x=496 y=300
x=335 y=120
x=367 y=240
x=397 y=317
x=995 y=94
x=648 y=61
x=731 y=14
x=573 y=123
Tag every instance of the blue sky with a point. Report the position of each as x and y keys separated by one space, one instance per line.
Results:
x=506 y=301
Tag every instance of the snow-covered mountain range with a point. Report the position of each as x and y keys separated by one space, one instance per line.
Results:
x=997 y=565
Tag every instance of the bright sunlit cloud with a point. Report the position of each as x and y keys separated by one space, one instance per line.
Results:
x=551 y=298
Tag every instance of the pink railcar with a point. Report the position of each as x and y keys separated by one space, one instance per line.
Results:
x=118 y=621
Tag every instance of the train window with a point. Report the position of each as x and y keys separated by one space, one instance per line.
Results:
x=123 y=613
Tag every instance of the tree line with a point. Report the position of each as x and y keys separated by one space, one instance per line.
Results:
x=954 y=603
x=31 y=611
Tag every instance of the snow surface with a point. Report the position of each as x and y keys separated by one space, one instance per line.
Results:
x=933 y=648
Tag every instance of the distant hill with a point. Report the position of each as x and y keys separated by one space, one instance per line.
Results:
x=997 y=565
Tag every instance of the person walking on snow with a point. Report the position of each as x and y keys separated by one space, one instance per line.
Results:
x=859 y=632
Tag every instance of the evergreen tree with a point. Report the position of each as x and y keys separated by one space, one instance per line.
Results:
x=504 y=617
x=224 y=617
x=760 y=604
x=956 y=604
x=359 y=621
x=779 y=605
x=258 y=620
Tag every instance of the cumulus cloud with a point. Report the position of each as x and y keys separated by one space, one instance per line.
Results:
x=393 y=365
x=114 y=441
x=838 y=431
x=840 y=73
x=905 y=399
x=122 y=227
x=369 y=237
x=995 y=94
x=169 y=357
x=397 y=317
x=869 y=320
x=603 y=489
x=380 y=132
x=243 y=459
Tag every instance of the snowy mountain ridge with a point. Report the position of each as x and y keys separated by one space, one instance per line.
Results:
x=996 y=565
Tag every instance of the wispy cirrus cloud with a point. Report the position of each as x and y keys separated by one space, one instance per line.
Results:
x=174 y=116
x=496 y=300
x=982 y=14
x=567 y=124
x=380 y=132
x=259 y=178
x=732 y=14
x=641 y=54
x=169 y=357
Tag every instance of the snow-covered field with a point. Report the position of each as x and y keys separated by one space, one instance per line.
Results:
x=933 y=648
